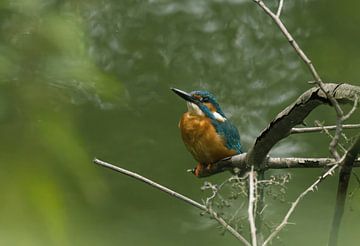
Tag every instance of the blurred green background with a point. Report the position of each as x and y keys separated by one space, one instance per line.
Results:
x=85 y=79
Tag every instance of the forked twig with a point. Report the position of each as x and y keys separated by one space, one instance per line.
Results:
x=278 y=12
x=355 y=106
x=317 y=79
x=297 y=130
x=177 y=195
x=312 y=187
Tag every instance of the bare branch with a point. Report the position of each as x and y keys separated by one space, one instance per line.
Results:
x=347 y=116
x=252 y=200
x=335 y=139
x=278 y=13
x=281 y=127
x=294 y=115
x=301 y=53
x=316 y=76
x=281 y=163
x=177 y=195
x=239 y=162
x=344 y=179
x=312 y=187
x=319 y=124
x=151 y=183
x=296 y=130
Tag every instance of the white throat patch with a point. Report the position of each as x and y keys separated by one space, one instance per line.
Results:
x=195 y=110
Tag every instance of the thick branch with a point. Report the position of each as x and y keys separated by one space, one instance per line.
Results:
x=344 y=178
x=294 y=115
x=177 y=195
x=292 y=162
x=239 y=162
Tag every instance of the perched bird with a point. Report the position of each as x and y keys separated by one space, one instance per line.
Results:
x=205 y=130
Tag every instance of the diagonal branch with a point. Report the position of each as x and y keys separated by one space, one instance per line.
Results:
x=344 y=178
x=319 y=124
x=300 y=52
x=312 y=187
x=282 y=126
x=318 y=81
x=179 y=196
x=294 y=115
x=347 y=116
x=278 y=12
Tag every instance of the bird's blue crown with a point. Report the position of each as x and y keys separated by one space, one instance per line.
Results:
x=205 y=96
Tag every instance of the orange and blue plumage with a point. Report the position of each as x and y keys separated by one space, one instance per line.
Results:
x=207 y=133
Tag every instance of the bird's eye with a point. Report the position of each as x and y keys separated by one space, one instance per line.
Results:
x=205 y=99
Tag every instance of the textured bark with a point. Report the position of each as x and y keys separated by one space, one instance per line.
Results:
x=344 y=178
x=240 y=162
x=281 y=127
x=294 y=115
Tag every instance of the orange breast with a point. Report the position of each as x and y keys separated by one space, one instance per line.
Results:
x=201 y=139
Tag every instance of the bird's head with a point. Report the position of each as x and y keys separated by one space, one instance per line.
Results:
x=202 y=103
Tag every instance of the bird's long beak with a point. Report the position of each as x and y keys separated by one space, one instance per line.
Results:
x=184 y=95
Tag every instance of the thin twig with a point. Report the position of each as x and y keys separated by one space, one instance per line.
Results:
x=278 y=13
x=177 y=195
x=319 y=124
x=260 y=206
x=347 y=116
x=279 y=128
x=315 y=74
x=335 y=139
x=312 y=187
x=296 y=130
x=252 y=200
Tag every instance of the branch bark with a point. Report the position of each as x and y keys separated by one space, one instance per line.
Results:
x=294 y=115
x=318 y=81
x=312 y=187
x=296 y=130
x=281 y=127
x=344 y=178
x=177 y=195
x=239 y=162
x=251 y=205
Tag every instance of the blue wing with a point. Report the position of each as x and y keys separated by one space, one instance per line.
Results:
x=226 y=129
x=230 y=134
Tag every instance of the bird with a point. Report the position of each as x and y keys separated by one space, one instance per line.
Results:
x=205 y=130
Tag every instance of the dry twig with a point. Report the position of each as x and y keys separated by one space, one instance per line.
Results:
x=251 y=205
x=312 y=187
x=296 y=130
x=179 y=196
x=315 y=74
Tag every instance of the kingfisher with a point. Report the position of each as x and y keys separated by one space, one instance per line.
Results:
x=206 y=132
